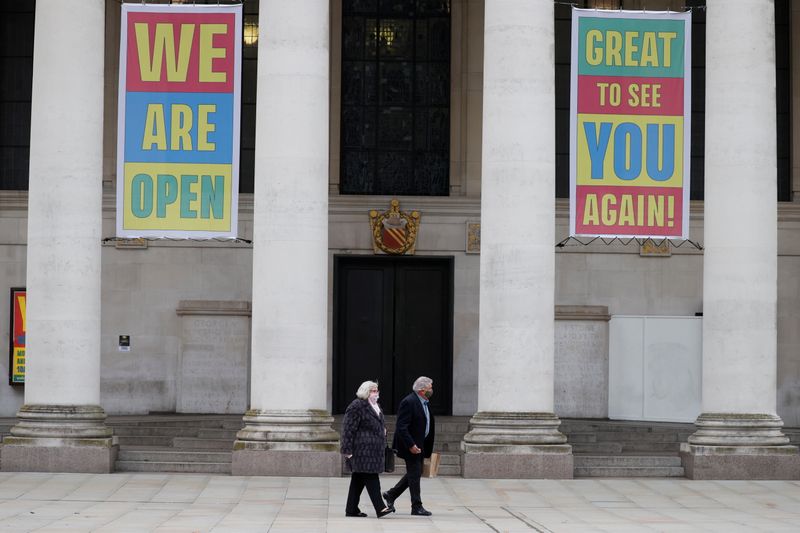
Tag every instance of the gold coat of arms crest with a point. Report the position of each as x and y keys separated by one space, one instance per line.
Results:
x=394 y=231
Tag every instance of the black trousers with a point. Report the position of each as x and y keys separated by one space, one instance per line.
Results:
x=359 y=480
x=410 y=481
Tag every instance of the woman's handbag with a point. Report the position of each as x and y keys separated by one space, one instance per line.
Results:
x=388 y=465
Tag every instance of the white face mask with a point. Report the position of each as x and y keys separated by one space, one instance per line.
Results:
x=373 y=397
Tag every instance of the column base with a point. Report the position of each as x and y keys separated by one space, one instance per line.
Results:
x=287 y=443
x=516 y=446
x=740 y=462
x=59 y=438
x=739 y=446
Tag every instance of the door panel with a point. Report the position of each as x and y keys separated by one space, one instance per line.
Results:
x=392 y=322
x=366 y=304
x=421 y=332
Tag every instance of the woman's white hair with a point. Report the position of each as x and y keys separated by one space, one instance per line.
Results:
x=422 y=383
x=363 y=390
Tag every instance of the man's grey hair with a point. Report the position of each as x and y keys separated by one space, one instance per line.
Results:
x=363 y=390
x=422 y=383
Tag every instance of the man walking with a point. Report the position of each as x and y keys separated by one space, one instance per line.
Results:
x=413 y=440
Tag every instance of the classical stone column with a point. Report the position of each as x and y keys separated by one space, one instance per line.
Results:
x=61 y=426
x=515 y=432
x=287 y=429
x=739 y=433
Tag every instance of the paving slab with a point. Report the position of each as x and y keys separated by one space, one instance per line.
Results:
x=178 y=503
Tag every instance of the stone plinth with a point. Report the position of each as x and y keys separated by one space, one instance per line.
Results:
x=740 y=462
x=518 y=462
x=516 y=445
x=92 y=456
x=58 y=438
x=287 y=443
x=581 y=361
x=214 y=356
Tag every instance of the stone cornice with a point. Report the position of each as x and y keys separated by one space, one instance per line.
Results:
x=456 y=206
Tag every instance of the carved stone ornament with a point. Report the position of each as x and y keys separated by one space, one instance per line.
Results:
x=394 y=232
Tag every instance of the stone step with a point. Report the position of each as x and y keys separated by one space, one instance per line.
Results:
x=445 y=459
x=600 y=448
x=444 y=470
x=196 y=443
x=229 y=434
x=638 y=436
x=144 y=440
x=173 y=455
x=450 y=447
x=185 y=467
x=221 y=422
x=621 y=427
x=626 y=460
x=156 y=431
x=628 y=472
x=575 y=438
x=651 y=447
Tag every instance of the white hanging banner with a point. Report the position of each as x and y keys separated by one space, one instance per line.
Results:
x=630 y=124
x=178 y=126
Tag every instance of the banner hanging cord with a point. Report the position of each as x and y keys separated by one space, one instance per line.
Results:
x=237 y=240
x=575 y=241
x=644 y=7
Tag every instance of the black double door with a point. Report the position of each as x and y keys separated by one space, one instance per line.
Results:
x=393 y=322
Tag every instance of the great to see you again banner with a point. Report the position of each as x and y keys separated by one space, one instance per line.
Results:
x=630 y=124
x=178 y=132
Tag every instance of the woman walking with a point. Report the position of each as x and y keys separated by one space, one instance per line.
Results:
x=363 y=444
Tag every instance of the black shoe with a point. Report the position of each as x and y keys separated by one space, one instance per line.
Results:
x=385 y=511
x=359 y=514
x=420 y=511
x=389 y=500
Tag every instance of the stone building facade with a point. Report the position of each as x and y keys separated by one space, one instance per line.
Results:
x=279 y=325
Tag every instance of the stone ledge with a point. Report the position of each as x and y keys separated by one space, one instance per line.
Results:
x=286 y=463
x=553 y=465
x=745 y=462
x=214 y=308
x=582 y=312
x=92 y=458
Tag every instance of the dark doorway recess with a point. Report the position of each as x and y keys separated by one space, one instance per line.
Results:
x=393 y=321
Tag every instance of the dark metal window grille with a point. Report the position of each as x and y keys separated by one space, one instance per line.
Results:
x=395 y=123
x=16 y=74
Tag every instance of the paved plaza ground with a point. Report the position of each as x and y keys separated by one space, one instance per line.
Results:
x=132 y=502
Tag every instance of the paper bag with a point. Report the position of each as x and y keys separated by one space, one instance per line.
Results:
x=430 y=468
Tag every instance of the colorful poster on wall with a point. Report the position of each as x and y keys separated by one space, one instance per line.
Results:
x=16 y=363
x=178 y=121
x=630 y=124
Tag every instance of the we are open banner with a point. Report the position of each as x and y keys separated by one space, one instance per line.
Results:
x=630 y=124
x=178 y=131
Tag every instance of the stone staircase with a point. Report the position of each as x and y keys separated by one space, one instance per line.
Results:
x=175 y=443
x=608 y=448
x=203 y=444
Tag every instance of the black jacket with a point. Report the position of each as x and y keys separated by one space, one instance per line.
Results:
x=411 y=428
x=363 y=436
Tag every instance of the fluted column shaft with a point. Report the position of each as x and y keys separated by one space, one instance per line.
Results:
x=516 y=332
x=62 y=382
x=739 y=432
x=290 y=233
x=740 y=230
